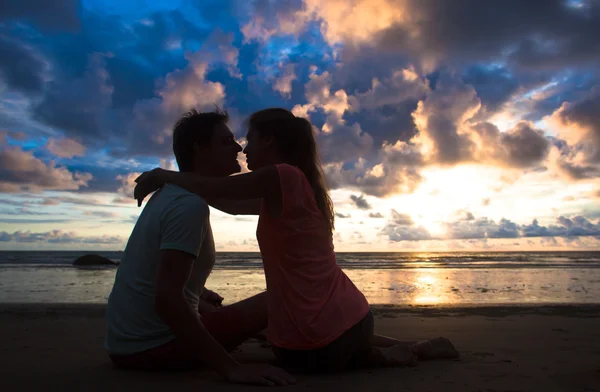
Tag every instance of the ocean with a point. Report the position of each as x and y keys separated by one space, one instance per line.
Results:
x=402 y=279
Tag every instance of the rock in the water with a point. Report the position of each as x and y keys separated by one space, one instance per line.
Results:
x=86 y=260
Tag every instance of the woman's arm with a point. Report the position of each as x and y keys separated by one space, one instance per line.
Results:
x=236 y=207
x=261 y=183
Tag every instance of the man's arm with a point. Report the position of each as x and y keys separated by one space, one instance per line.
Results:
x=236 y=207
x=173 y=272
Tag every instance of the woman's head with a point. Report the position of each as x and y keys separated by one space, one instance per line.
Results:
x=277 y=136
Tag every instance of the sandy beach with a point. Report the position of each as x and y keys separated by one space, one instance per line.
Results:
x=59 y=347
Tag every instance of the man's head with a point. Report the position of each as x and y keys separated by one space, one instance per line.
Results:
x=202 y=142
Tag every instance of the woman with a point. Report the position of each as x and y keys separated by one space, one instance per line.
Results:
x=318 y=320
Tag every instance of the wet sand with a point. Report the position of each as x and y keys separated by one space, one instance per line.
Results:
x=59 y=347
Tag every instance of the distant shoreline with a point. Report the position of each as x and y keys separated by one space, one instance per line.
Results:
x=337 y=252
x=35 y=310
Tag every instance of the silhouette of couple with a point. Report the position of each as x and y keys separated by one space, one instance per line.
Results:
x=161 y=317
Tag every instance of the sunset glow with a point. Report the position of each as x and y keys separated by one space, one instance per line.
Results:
x=434 y=135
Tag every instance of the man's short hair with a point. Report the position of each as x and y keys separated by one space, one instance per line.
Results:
x=194 y=128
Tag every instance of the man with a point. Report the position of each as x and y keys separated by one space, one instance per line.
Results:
x=159 y=315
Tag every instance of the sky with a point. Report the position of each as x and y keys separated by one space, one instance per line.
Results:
x=459 y=125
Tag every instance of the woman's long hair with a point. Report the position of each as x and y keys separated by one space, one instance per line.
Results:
x=296 y=142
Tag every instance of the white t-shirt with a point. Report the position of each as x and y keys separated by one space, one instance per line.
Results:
x=175 y=219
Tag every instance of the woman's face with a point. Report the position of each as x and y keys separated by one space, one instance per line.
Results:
x=257 y=150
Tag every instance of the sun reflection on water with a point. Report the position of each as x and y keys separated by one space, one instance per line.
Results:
x=429 y=290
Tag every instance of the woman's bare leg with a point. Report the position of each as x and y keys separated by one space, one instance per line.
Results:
x=398 y=355
x=384 y=341
x=427 y=349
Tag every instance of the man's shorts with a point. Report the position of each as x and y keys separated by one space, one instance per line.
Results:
x=224 y=326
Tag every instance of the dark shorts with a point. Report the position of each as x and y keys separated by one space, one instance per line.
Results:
x=351 y=350
x=223 y=324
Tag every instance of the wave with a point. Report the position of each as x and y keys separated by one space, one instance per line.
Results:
x=367 y=260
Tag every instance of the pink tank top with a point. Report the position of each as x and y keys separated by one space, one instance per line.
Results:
x=311 y=300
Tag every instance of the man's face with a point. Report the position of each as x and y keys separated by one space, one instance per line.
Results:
x=222 y=151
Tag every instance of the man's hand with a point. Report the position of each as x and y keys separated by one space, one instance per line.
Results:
x=212 y=298
x=148 y=182
x=259 y=374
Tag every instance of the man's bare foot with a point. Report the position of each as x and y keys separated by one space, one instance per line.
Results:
x=439 y=348
x=399 y=355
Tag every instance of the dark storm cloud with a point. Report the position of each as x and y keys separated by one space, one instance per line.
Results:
x=45 y=14
x=104 y=179
x=519 y=147
x=440 y=116
x=79 y=106
x=581 y=122
x=494 y=85
x=119 y=85
x=578 y=140
x=21 y=68
x=533 y=34
x=360 y=202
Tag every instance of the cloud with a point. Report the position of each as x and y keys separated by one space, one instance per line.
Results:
x=360 y=202
x=398 y=171
x=86 y=201
x=102 y=214
x=403 y=85
x=465 y=226
x=338 y=141
x=34 y=221
x=21 y=67
x=78 y=106
x=127 y=185
x=58 y=237
x=270 y=18
x=463 y=215
x=577 y=154
x=481 y=228
x=342 y=216
x=494 y=85
x=520 y=147
x=440 y=118
x=565 y=227
x=21 y=171
x=283 y=83
x=401 y=219
x=65 y=148
x=437 y=32
x=401 y=227
x=150 y=125
x=82 y=104
x=47 y=14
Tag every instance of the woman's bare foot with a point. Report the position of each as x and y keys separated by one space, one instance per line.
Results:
x=439 y=348
x=399 y=355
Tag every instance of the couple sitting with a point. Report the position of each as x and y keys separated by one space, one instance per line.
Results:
x=161 y=317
